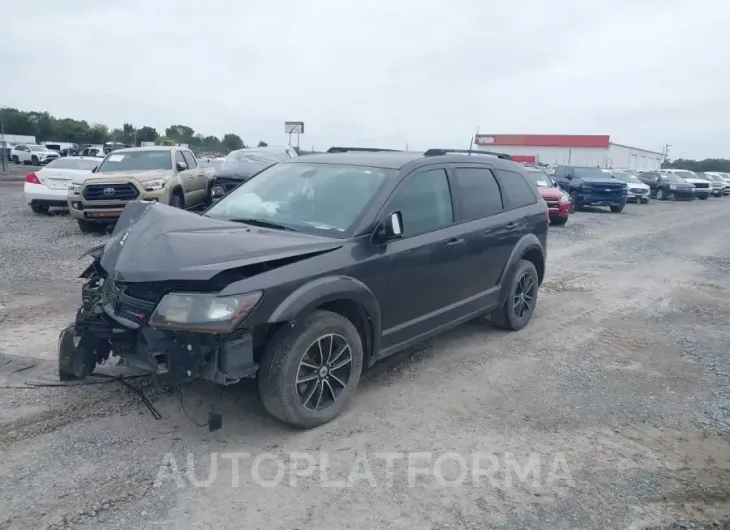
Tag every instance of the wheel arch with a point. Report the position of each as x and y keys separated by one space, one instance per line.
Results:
x=343 y=295
x=530 y=249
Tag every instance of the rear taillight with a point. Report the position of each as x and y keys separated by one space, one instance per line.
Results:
x=32 y=178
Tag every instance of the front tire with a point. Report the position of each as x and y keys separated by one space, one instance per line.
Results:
x=86 y=227
x=574 y=199
x=177 y=200
x=310 y=370
x=517 y=310
x=618 y=208
x=16 y=159
x=34 y=161
x=703 y=197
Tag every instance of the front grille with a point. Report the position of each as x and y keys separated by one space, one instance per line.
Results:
x=638 y=191
x=110 y=192
x=151 y=292
x=552 y=204
x=704 y=185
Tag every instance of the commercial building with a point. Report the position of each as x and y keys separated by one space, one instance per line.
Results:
x=577 y=149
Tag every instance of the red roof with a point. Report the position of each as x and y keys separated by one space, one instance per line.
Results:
x=544 y=140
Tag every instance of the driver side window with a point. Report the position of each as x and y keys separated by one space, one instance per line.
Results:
x=179 y=159
x=424 y=201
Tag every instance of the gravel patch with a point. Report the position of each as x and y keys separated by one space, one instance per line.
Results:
x=623 y=374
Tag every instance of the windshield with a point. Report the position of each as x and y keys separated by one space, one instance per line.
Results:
x=37 y=148
x=72 y=163
x=136 y=161
x=671 y=177
x=237 y=158
x=590 y=172
x=321 y=199
x=625 y=177
x=538 y=177
x=685 y=174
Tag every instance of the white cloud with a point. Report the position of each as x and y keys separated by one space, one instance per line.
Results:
x=384 y=73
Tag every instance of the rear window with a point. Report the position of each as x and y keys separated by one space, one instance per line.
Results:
x=592 y=172
x=478 y=193
x=73 y=163
x=517 y=192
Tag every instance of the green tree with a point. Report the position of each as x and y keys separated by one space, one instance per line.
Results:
x=180 y=134
x=709 y=164
x=231 y=142
x=147 y=134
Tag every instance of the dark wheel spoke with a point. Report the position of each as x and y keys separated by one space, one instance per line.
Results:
x=311 y=394
x=337 y=380
x=316 y=385
x=341 y=364
x=331 y=390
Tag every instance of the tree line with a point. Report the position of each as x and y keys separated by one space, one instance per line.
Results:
x=708 y=164
x=49 y=128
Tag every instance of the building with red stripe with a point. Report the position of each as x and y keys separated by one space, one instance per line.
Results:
x=575 y=149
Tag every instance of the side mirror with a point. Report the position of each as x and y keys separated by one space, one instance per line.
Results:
x=394 y=225
x=181 y=167
x=390 y=228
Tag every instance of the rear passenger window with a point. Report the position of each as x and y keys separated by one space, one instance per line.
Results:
x=517 y=192
x=478 y=195
x=424 y=200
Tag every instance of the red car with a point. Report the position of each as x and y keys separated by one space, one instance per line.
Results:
x=559 y=203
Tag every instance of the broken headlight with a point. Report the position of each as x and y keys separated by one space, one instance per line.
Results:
x=203 y=313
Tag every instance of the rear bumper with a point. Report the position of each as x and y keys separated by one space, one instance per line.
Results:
x=43 y=195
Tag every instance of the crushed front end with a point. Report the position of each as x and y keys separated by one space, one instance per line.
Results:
x=145 y=325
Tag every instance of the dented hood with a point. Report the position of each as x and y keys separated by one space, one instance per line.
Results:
x=155 y=242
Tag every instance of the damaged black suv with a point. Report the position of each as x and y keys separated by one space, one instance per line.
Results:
x=312 y=271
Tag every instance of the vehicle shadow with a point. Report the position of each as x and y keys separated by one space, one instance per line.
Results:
x=245 y=417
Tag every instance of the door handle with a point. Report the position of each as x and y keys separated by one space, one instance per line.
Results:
x=512 y=224
x=455 y=242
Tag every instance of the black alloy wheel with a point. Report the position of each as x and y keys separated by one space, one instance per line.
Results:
x=324 y=372
x=310 y=369
x=523 y=300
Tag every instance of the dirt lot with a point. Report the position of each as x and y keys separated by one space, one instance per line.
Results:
x=618 y=391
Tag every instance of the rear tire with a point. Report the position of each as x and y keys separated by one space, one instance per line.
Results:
x=285 y=384
x=16 y=159
x=661 y=195
x=524 y=280
x=39 y=208
x=86 y=227
x=703 y=197
x=558 y=221
x=34 y=161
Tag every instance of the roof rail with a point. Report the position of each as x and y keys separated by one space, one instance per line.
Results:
x=361 y=149
x=441 y=152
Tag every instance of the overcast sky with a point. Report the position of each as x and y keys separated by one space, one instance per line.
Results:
x=380 y=72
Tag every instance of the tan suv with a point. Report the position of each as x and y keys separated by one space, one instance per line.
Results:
x=169 y=175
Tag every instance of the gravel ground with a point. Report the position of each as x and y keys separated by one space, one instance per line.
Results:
x=617 y=393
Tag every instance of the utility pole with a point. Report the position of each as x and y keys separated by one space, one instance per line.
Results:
x=665 y=152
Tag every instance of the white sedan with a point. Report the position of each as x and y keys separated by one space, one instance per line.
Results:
x=48 y=187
